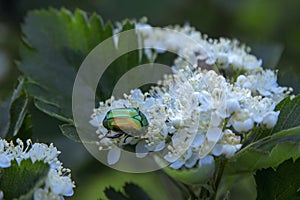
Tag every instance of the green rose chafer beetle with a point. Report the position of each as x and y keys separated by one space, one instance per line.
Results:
x=129 y=121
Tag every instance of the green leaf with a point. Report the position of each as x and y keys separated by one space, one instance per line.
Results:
x=56 y=44
x=235 y=187
x=70 y=131
x=121 y=65
x=131 y=192
x=113 y=194
x=267 y=152
x=289 y=114
x=134 y=192
x=20 y=180
x=25 y=132
x=96 y=178
x=284 y=183
x=19 y=124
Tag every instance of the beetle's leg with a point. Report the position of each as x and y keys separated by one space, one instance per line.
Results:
x=112 y=136
x=127 y=136
x=115 y=136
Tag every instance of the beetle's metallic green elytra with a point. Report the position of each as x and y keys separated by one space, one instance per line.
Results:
x=130 y=121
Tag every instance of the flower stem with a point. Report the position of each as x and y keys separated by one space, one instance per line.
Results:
x=249 y=137
x=218 y=177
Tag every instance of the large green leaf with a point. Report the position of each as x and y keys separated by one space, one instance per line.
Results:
x=284 y=183
x=21 y=180
x=55 y=45
x=122 y=64
x=267 y=152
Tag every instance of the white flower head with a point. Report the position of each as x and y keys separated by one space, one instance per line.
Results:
x=225 y=53
x=58 y=181
x=197 y=113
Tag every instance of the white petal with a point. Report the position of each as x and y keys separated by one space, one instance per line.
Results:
x=232 y=105
x=160 y=146
x=171 y=158
x=164 y=131
x=270 y=119
x=68 y=190
x=191 y=161
x=177 y=164
x=1 y=145
x=207 y=160
x=4 y=161
x=198 y=140
x=96 y=121
x=216 y=119
x=113 y=156
x=229 y=150
x=214 y=134
x=243 y=126
x=137 y=95
x=148 y=103
x=217 y=150
x=141 y=150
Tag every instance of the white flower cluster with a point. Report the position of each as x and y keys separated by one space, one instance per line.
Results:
x=58 y=182
x=223 y=52
x=197 y=114
x=219 y=54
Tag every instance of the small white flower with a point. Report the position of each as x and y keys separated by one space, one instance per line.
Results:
x=242 y=121
x=270 y=119
x=5 y=160
x=264 y=83
x=225 y=149
x=59 y=185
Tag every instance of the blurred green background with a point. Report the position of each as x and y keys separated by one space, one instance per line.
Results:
x=270 y=27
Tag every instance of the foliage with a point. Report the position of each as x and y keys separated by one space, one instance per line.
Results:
x=20 y=181
x=51 y=71
x=18 y=120
x=131 y=192
x=284 y=183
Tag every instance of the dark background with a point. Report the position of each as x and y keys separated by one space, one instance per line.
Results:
x=270 y=27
